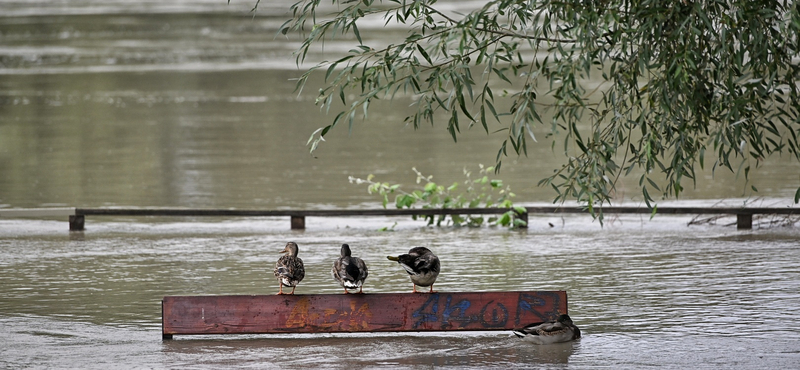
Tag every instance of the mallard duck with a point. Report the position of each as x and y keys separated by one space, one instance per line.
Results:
x=422 y=266
x=349 y=271
x=289 y=270
x=561 y=330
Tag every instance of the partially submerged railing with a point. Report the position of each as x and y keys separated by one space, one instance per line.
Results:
x=77 y=216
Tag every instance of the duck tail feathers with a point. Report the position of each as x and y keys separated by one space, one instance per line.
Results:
x=351 y=284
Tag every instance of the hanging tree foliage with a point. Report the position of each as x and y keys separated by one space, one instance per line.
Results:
x=684 y=82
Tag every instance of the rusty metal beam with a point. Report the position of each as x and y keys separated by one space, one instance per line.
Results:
x=347 y=313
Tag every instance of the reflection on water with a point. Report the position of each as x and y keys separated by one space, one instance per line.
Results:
x=366 y=351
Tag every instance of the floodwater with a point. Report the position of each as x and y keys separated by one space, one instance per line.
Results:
x=644 y=293
x=190 y=104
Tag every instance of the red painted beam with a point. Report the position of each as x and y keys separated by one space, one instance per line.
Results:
x=345 y=313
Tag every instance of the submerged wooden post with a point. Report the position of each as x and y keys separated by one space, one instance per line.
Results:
x=524 y=217
x=347 y=313
x=77 y=222
x=298 y=222
x=744 y=221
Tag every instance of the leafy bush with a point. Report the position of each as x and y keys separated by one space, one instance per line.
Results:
x=480 y=192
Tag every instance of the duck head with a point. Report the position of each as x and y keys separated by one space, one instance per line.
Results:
x=564 y=319
x=291 y=249
x=345 y=250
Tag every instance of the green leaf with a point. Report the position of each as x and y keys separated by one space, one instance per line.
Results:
x=647 y=198
x=505 y=219
x=356 y=33
x=424 y=54
x=430 y=187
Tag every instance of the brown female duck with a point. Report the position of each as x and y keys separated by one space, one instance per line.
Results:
x=289 y=269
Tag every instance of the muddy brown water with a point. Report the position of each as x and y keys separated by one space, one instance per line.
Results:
x=103 y=104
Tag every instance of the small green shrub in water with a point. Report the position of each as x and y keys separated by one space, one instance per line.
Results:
x=481 y=192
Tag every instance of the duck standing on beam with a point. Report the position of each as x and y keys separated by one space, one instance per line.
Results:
x=349 y=271
x=422 y=266
x=289 y=270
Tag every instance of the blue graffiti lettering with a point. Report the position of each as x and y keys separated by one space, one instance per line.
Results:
x=528 y=303
x=448 y=314
x=499 y=316
x=429 y=316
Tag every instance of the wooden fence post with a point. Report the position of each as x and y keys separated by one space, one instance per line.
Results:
x=744 y=221
x=298 y=222
x=524 y=217
x=76 y=222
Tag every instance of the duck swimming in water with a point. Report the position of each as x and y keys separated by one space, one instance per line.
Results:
x=422 y=266
x=289 y=269
x=349 y=271
x=561 y=330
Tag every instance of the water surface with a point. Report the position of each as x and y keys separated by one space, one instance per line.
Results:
x=641 y=291
x=191 y=104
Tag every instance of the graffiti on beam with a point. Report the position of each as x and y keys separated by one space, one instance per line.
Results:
x=329 y=319
x=440 y=311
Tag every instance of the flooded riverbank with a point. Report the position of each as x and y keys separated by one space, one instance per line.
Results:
x=191 y=104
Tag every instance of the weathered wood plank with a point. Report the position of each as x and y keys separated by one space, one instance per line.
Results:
x=337 y=313
x=37 y=212
x=298 y=216
x=424 y=212
x=293 y=213
x=671 y=210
